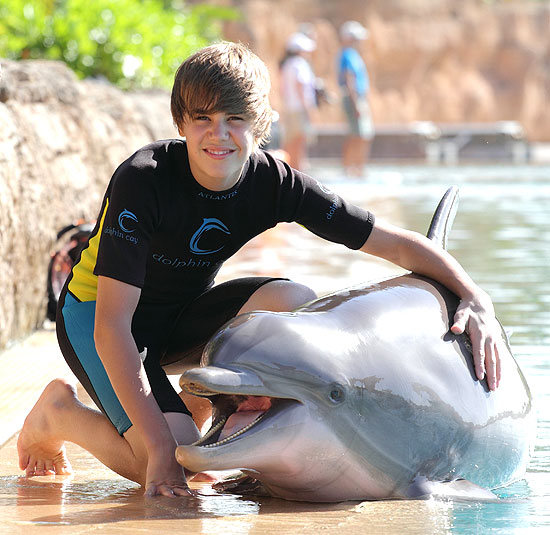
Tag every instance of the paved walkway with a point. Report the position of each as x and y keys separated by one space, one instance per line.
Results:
x=27 y=368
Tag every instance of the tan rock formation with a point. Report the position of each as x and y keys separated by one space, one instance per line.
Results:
x=60 y=141
x=438 y=60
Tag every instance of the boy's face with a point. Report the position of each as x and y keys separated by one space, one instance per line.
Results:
x=218 y=144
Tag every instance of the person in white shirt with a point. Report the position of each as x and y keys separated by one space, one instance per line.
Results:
x=298 y=98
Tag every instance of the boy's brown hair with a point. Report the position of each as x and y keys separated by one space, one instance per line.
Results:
x=224 y=77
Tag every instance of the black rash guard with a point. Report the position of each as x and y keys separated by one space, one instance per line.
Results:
x=159 y=230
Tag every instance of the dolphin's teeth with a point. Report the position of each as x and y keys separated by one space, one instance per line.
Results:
x=236 y=434
x=212 y=431
x=197 y=389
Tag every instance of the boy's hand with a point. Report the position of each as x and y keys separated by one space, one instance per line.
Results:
x=166 y=478
x=476 y=317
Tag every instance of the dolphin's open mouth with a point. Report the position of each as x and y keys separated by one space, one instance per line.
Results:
x=233 y=415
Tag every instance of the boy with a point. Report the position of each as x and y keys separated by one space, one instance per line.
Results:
x=141 y=295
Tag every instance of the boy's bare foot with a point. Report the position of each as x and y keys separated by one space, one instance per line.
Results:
x=41 y=449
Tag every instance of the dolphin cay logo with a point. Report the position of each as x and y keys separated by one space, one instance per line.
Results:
x=208 y=224
x=122 y=220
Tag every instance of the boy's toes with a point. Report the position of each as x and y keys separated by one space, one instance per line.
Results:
x=49 y=468
x=23 y=461
x=63 y=468
x=30 y=469
x=39 y=469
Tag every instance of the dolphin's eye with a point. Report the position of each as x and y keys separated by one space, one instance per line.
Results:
x=336 y=394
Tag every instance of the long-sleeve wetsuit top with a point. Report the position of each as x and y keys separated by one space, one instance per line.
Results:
x=159 y=230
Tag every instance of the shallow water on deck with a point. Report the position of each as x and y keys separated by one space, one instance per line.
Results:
x=501 y=236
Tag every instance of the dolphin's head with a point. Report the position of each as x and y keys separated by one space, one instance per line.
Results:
x=282 y=410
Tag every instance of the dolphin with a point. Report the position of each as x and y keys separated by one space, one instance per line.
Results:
x=363 y=394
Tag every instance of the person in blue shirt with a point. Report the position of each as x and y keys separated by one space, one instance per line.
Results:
x=353 y=80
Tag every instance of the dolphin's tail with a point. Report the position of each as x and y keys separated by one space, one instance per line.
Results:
x=443 y=217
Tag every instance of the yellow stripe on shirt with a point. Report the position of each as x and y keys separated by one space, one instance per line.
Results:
x=84 y=283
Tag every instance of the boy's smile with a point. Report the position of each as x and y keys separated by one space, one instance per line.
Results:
x=218 y=144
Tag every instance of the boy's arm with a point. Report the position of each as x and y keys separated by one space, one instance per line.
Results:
x=116 y=303
x=475 y=313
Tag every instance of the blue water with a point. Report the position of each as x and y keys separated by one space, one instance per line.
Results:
x=501 y=235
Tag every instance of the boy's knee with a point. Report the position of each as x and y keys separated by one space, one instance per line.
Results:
x=295 y=295
x=281 y=296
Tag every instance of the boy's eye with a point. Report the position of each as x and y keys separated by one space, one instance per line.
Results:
x=200 y=117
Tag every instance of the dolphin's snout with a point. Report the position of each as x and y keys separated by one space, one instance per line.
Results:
x=211 y=380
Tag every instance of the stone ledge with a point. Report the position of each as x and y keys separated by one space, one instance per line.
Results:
x=60 y=141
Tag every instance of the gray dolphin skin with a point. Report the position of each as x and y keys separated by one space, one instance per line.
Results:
x=362 y=394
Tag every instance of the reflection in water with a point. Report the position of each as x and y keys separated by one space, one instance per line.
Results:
x=501 y=236
x=229 y=525
x=226 y=504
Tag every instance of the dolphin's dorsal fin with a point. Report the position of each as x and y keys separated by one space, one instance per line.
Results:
x=443 y=217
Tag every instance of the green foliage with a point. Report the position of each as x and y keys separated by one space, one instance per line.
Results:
x=131 y=43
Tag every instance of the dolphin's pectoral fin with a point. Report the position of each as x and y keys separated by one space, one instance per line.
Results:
x=458 y=489
x=245 y=485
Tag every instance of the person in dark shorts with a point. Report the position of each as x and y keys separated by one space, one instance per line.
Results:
x=142 y=294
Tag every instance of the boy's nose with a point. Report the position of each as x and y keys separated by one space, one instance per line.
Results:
x=219 y=129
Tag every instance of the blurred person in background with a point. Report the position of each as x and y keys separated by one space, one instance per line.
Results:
x=297 y=86
x=353 y=80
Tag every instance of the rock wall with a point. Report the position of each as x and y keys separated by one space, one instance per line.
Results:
x=438 y=60
x=60 y=141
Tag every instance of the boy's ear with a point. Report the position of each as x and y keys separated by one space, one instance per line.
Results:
x=181 y=130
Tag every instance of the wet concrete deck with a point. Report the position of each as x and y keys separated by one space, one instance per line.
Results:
x=95 y=500
x=27 y=368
